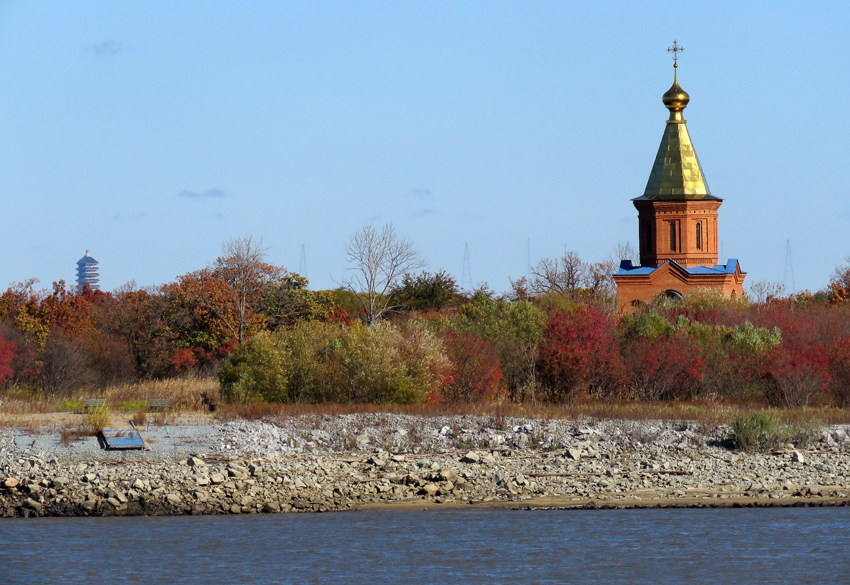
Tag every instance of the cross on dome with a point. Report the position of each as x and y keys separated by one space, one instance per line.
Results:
x=675 y=49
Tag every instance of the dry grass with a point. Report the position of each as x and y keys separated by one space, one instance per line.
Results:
x=23 y=408
x=27 y=408
x=185 y=392
x=709 y=414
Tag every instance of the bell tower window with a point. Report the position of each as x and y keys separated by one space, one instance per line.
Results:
x=672 y=236
x=699 y=235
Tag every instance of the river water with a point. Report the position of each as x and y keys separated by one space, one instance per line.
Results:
x=775 y=545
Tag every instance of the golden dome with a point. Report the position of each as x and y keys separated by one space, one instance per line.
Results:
x=675 y=99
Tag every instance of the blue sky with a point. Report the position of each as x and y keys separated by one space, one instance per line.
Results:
x=151 y=132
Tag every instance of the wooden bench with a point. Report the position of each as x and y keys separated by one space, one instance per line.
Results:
x=160 y=404
x=93 y=404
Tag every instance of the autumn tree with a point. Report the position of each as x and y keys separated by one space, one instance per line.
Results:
x=379 y=260
x=839 y=284
x=242 y=266
x=288 y=300
x=221 y=302
x=427 y=291
x=140 y=316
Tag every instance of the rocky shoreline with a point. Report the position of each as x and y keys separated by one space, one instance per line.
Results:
x=367 y=461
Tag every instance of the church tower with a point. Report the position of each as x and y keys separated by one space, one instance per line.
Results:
x=677 y=220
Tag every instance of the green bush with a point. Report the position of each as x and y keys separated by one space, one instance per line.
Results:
x=322 y=362
x=759 y=432
x=515 y=329
x=257 y=371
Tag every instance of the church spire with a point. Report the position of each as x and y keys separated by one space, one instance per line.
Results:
x=676 y=174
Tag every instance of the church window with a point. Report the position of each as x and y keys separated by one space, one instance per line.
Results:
x=699 y=235
x=673 y=236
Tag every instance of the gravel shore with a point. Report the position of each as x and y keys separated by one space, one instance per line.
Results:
x=345 y=462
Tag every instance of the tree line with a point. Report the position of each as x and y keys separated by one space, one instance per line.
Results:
x=393 y=332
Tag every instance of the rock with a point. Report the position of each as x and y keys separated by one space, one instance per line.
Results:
x=139 y=484
x=217 y=478
x=271 y=508
x=90 y=505
x=574 y=454
x=299 y=483
x=195 y=462
x=488 y=460
x=448 y=475
x=430 y=489
x=471 y=457
x=11 y=482
x=31 y=504
x=797 y=457
x=113 y=502
x=174 y=499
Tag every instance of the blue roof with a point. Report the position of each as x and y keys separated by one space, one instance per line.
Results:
x=729 y=268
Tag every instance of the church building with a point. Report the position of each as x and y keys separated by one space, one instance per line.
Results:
x=677 y=222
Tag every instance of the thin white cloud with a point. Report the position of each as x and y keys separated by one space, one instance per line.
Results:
x=426 y=212
x=105 y=49
x=208 y=194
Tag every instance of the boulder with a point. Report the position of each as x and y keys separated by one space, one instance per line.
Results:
x=471 y=457
x=195 y=462
x=430 y=489
x=797 y=457
x=11 y=482
x=574 y=454
x=31 y=504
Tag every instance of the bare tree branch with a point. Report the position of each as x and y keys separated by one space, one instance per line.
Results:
x=379 y=260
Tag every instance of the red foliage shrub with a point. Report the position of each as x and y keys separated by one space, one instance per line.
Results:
x=795 y=375
x=7 y=357
x=340 y=316
x=579 y=352
x=838 y=370
x=476 y=371
x=184 y=360
x=664 y=368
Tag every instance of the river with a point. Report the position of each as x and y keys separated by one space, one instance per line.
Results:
x=775 y=545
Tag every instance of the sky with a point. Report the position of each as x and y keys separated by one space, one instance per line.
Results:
x=151 y=132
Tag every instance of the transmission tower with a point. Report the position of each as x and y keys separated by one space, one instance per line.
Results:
x=302 y=267
x=466 y=275
x=789 y=269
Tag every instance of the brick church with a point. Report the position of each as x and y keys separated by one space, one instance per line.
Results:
x=677 y=219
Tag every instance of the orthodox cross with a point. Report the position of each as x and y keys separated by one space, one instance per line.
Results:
x=675 y=49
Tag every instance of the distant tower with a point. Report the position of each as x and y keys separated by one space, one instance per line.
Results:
x=302 y=268
x=87 y=272
x=466 y=275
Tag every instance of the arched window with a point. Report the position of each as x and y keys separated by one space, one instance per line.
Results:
x=699 y=235
x=673 y=236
